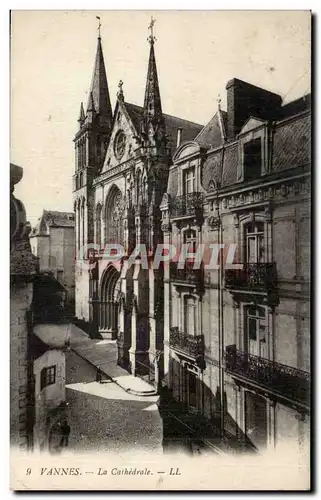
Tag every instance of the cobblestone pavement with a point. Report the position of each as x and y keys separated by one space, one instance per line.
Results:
x=103 y=417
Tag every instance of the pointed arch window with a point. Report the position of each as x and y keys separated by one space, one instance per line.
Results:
x=114 y=215
x=83 y=222
x=98 y=224
x=138 y=187
x=78 y=225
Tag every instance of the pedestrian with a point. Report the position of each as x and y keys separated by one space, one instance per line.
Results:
x=65 y=430
x=98 y=375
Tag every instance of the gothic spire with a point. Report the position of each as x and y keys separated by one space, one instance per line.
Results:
x=152 y=103
x=81 y=118
x=99 y=93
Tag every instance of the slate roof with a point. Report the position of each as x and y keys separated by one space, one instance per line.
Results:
x=99 y=93
x=172 y=123
x=213 y=134
x=292 y=143
x=51 y=218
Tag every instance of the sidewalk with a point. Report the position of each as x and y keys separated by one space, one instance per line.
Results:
x=103 y=354
x=202 y=433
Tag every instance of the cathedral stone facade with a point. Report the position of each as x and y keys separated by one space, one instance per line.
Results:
x=122 y=164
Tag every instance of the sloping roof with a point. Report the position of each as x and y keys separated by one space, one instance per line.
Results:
x=172 y=124
x=51 y=218
x=136 y=114
x=292 y=143
x=53 y=336
x=296 y=106
x=61 y=219
x=214 y=133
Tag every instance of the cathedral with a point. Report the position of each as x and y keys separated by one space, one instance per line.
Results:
x=121 y=173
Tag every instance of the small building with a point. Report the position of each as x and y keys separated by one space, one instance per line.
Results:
x=49 y=339
x=48 y=353
x=52 y=241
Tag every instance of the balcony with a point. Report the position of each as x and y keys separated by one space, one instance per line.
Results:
x=189 y=345
x=281 y=380
x=187 y=275
x=257 y=276
x=186 y=205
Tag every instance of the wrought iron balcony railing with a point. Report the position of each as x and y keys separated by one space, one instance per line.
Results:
x=187 y=274
x=187 y=204
x=260 y=275
x=282 y=380
x=188 y=344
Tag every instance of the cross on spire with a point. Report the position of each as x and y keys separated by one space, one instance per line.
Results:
x=151 y=37
x=99 y=25
x=120 y=93
x=219 y=101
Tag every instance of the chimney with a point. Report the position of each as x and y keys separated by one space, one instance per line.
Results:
x=245 y=100
x=179 y=137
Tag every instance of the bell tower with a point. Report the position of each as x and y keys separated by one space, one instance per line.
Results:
x=91 y=142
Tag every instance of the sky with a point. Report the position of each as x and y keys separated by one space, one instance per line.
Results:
x=197 y=53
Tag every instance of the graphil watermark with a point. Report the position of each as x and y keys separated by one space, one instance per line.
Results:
x=209 y=256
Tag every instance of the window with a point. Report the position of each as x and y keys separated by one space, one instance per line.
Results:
x=48 y=376
x=83 y=222
x=78 y=226
x=190 y=315
x=254 y=241
x=98 y=225
x=138 y=188
x=114 y=212
x=252 y=159
x=192 y=389
x=189 y=180
x=256 y=337
x=190 y=240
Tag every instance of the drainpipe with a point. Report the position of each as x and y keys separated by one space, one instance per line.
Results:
x=221 y=311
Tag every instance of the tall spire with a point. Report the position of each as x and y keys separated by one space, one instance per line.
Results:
x=81 y=118
x=99 y=88
x=90 y=113
x=153 y=116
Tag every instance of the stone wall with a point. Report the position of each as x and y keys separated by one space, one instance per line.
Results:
x=20 y=301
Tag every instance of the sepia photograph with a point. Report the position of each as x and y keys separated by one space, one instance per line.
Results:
x=160 y=242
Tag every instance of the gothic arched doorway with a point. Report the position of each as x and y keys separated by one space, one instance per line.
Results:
x=109 y=292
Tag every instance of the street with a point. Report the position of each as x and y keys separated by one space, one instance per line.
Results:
x=103 y=417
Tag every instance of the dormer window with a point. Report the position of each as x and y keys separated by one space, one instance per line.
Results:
x=252 y=159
